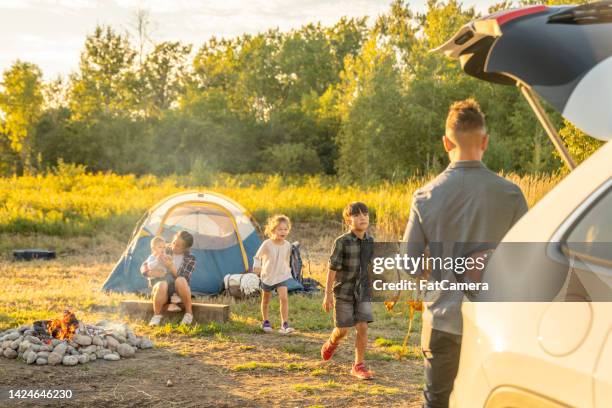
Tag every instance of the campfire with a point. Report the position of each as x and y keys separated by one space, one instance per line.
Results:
x=63 y=328
x=68 y=341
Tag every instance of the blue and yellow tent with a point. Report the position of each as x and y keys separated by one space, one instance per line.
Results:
x=225 y=240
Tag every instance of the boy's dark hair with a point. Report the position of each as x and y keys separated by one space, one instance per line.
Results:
x=186 y=237
x=354 y=208
x=465 y=116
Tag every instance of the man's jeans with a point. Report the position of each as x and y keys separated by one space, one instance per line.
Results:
x=441 y=352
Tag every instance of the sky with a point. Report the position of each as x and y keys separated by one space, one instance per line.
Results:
x=51 y=33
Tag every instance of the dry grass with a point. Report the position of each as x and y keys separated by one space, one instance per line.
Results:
x=72 y=202
x=263 y=369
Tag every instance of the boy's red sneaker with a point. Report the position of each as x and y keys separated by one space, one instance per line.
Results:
x=360 y=371
x=327 y=351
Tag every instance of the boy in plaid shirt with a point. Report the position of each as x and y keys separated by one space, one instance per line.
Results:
x=347 y=289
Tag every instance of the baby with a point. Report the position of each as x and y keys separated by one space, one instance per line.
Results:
x=158 y=271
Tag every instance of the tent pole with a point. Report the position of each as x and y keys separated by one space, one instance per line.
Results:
x=547 y=124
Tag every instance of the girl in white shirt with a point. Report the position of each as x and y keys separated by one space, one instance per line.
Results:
x=271 y=262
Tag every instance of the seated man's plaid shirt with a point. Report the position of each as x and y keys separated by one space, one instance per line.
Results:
x=351 y=258
x=185 y=270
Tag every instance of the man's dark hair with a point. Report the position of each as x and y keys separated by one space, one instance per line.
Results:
x=354 y=208
x=465 y=116
x=186 y=237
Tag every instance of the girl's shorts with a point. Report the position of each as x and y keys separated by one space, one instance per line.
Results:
x=270 y=288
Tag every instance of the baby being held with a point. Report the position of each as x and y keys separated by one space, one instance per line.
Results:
x=157 y=270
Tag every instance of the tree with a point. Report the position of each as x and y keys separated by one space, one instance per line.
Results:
x=372 y=138
x=21 y=102
x=162 y=76
x=106 y=79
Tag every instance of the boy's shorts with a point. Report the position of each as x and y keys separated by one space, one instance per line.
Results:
x=348 y=313
x=270 y=288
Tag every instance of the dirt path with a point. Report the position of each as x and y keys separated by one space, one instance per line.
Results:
x=257 y=370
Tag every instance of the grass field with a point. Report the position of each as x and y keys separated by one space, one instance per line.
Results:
x=87 y=219
x=72 y=202
x=203 y=361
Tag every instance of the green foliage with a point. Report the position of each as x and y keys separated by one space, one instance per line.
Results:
x=579 y=145
x=21 y=101
x=105 y=80
x=365 y=102
x=292 y=158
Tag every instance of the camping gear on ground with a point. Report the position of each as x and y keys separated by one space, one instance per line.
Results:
x=296 y=262
x=225 y=241
x=31 y=254
x=241 y=285
x=311 y=285
x=302 y=285
x=561 y=53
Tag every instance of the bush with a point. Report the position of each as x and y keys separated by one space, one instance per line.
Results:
x=291 y=158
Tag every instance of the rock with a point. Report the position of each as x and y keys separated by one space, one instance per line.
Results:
x=54 y=358
x=125 y=350
x=10 y=353
x=146 y=343
x=69 y=349
x=12 y=336
x=111 y=342
x=24 y=346
x=103 y=352
x=112 y=357
x=73 y=344
x=43 y=354
x=169 y=383
x=88 y=349
x=82 y=340
x=74 y=352
x=60 y=349
x=46 y=347
x=15 y=344
x=55 y=342
x=30 y=357
x=97 y=340
x=25 y=354
x=115 y=328
x=134 y=341
x=93 y=357
x=33 y=340
x=41 y=361
x=25 y=328
x=70 y=360
x=119 y=338
x=83 y=358
x=29 y=333
x=6 y=344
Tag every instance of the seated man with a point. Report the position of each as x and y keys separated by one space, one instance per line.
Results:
x=180 y=263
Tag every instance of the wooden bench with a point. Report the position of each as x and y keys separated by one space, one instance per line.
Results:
x=202 y=312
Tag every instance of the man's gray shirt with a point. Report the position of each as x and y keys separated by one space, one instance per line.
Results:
x=466 y=203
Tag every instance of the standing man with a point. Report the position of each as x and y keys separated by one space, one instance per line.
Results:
x=466 y=203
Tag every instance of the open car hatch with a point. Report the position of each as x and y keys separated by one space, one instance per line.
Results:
x=563 y=54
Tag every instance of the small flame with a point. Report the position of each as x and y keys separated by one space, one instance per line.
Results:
x=63 y=328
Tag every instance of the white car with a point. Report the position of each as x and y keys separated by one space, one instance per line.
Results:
x=549 y=343
x=548 y=354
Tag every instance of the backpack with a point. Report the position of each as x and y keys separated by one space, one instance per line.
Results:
x=295 y=261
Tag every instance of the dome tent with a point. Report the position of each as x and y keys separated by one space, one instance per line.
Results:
x=225 y=241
